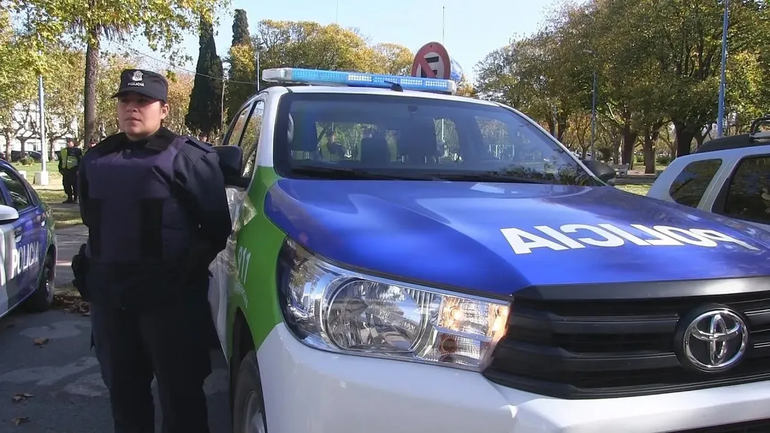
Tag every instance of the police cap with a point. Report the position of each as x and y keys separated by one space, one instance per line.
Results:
x=147 y=83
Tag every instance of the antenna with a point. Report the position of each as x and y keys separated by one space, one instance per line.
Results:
x=443 y=22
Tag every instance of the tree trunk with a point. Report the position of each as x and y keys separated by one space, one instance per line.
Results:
x=8 y=145
x=562 y=129
x=684 y=136
x=648 y=148
x=629 y=142
x=89 y=97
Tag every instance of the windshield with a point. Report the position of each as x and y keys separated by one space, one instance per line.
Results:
x=332 y=136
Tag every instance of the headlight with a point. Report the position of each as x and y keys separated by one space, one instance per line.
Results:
x=333 y=309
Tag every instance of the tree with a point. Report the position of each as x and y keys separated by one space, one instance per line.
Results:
x=90 y=21
x=307 y=44
x=240 y=28
x=394 y=59
x=63 y=88
x=205 y=109
x=17 y=79
x=657 y=63
x=242 y=77
x=465 y=88
x=180 y=86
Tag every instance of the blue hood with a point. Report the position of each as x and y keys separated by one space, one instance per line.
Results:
x=499 y=238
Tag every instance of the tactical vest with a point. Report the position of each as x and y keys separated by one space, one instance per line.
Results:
x=70 y=161
x=136 y=215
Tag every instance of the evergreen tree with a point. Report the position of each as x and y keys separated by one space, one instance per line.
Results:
x=204 y=113
x=241 y=28
x=242 y=59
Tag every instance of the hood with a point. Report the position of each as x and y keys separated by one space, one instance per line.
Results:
x=499 y=238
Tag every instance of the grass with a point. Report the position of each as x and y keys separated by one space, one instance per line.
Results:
x=635 y=189
x=52 y=167
x=66 y=215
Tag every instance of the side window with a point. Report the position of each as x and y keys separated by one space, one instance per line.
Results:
x=748 y=194
x=690 y=185
x=20 y=198
x=235 y=135
x=250 y=139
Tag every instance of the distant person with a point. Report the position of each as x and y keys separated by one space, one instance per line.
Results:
x=68 y=167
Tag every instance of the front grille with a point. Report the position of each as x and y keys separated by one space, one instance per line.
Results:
x=600 y=348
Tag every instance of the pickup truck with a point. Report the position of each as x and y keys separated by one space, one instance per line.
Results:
x=405 y=259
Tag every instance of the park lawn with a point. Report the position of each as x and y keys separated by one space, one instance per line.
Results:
x=640 y=189
x=66 y=215
x=54 y=178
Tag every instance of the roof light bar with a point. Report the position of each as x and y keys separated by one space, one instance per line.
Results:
x=357 y=79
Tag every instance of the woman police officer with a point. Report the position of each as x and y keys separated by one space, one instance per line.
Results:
x=157 y=215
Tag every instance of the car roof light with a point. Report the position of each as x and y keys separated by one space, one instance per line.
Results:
x=357 y=79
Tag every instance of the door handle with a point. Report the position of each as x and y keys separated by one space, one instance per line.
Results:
x=17 y=233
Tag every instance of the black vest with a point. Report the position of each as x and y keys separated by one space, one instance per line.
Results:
x=136 y=215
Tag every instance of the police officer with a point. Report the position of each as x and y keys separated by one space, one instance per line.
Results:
x=69 y=160
x=157 y=215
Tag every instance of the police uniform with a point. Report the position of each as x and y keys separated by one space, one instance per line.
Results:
x=157 y=215
x=69 y=160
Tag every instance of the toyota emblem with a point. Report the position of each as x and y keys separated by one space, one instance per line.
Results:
x=714 y=340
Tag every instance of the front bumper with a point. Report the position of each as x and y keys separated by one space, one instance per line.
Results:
x=307 y=390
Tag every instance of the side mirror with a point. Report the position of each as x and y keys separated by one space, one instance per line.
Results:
x=230 y=162
x=603 y=171
x=8 y=214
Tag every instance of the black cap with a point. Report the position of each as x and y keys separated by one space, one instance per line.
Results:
x=147 y=83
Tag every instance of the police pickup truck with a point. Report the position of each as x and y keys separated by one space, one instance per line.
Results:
x=404 y=259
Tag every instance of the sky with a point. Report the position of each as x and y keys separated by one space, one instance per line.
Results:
x=472 y=29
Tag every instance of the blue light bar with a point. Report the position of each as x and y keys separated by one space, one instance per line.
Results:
x=356 y=79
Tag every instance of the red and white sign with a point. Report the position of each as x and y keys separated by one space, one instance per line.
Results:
x=432 y=61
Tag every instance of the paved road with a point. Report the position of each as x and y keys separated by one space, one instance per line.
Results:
x=68 y=394
x=62 y=375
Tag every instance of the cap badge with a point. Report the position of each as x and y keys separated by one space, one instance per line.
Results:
x=137 y=76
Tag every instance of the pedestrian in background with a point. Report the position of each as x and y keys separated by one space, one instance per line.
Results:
x=69 y=161
x=157 y=215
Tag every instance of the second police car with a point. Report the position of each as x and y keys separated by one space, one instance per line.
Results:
x=27 y=245
x=408 y=260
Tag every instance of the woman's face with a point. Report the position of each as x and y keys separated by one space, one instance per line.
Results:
x=140 y=116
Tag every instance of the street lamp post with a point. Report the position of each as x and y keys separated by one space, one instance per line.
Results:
x=41 y=178
x=721 y=109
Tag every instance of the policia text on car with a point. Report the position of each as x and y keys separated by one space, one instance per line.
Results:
x=156 y=210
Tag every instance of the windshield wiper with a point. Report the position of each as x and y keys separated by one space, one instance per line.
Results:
x=355 y=173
